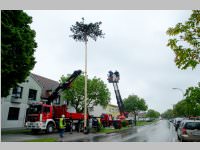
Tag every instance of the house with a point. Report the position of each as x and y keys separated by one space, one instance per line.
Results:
x=110 y=109
x=47 y=85
x=14 y=106
x=113 y=110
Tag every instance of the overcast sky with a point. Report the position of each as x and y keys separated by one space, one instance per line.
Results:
x=134 y=44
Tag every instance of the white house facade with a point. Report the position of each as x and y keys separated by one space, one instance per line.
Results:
x=14 y=106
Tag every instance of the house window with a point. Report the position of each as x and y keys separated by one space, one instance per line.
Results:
x=32 y=94
x=17 y=92
x=13 y=113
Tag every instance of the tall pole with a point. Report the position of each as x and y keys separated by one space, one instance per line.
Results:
x=85 y=110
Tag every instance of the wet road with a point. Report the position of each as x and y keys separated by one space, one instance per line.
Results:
x=162 y=131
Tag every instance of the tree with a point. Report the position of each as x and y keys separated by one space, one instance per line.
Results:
x=81 y=32
x=98 y=93
x=193 y=100
x=134 y=104
x=181 y=109
x=17 y=48
x=186 y=44
x=168 y=114
x=190 y=106
x=152 y=114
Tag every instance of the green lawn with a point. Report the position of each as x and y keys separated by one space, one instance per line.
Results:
x=43 y=140
x=142 y=123
x=15 y=131
x=110 y=130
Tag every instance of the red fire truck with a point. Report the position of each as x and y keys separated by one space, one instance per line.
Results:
x=45 y=116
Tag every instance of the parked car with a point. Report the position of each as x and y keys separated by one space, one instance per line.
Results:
x=189 y=130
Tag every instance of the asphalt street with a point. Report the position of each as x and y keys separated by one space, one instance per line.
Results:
x=162 y=131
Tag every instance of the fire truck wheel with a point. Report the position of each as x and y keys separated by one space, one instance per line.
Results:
x=50 y=128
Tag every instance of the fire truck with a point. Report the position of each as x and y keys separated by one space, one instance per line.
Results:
x=45 y=116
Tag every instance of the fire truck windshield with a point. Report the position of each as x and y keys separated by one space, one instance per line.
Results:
x=35 y=109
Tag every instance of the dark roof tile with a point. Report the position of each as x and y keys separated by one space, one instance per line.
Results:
x=45 y=83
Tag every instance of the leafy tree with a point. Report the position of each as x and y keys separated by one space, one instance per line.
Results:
x=186 y=44
x=168 y=114
x=181 y=109
x=17 y=48
x=193 y=94
x=193 y=100
x=152 y=114
x=98 y=93
x=190 y=106
x=134 y=104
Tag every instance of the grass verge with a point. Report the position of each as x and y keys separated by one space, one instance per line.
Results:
x=110 y=130
x=43 y=140
x=142 y=123
x=15 y=131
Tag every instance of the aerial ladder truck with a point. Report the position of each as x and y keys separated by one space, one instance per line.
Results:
x=114 y=79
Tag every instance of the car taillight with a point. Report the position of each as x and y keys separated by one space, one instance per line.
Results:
x=184 y=131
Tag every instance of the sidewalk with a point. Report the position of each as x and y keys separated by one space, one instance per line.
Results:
x=67 y=136
x=21 y=137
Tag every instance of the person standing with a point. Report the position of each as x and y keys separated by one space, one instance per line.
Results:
x=62 y=125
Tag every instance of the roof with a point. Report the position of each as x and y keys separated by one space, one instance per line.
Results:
x=45 y=83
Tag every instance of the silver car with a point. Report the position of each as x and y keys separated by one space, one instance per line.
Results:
x=189 y=130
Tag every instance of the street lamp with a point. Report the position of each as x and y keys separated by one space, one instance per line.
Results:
x=179 y=90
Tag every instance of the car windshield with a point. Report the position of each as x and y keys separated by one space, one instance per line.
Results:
x=192 y=125
x=35 y=109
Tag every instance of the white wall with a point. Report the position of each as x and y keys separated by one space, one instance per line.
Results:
x=98 y=110
x=6 y=104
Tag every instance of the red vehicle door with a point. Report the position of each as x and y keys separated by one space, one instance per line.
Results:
x=47 y=112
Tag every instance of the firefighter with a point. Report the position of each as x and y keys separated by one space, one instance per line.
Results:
x=62 y=125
